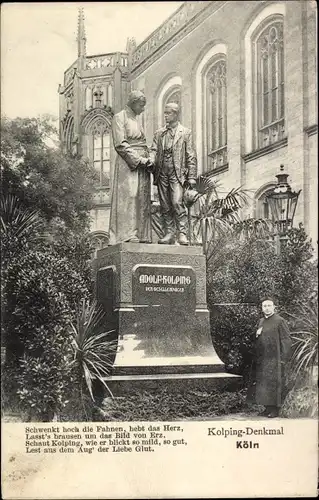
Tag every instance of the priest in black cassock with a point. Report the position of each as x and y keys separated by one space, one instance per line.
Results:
x=273 y=345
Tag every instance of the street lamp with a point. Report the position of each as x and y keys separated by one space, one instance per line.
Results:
x=282 y=202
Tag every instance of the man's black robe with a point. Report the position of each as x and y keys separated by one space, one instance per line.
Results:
x=273 y=347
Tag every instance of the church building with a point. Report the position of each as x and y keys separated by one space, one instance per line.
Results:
x=245 y=76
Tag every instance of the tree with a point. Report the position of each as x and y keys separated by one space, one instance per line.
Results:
x=46 y=196
x=58 y=185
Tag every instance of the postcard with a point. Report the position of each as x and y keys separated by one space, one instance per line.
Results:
x=159 y=250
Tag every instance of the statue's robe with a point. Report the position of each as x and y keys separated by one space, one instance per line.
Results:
x=130 y=216
x=273 y=347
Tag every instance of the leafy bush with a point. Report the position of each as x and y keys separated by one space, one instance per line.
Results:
x=41 y=285
x=301 y=402
x=232 y=328
x=251 y=270
x=45 y=382
x=43 y=293
x=77 y=248
x=299 y=278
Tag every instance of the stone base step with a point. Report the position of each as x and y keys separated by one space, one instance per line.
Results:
x=166 y=369
x=181 y=382
x=170 y=365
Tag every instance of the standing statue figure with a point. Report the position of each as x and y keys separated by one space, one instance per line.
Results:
x=174 y=168
x=130 y=217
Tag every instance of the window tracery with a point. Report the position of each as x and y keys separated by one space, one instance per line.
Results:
x=270 y=85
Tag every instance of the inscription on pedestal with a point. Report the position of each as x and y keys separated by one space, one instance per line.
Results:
x=172 y=286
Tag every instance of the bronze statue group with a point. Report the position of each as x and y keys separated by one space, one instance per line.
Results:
x=172 y=161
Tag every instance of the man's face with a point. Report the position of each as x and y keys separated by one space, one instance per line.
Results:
x=170 y=116
x=138 y=106
x=268 y=307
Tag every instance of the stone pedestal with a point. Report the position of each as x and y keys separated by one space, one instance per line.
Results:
x=157 y=298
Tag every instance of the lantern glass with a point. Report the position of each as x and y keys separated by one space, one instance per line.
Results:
x=283 y=207
x=282 y=203
x=293 y=205
x=278 y=207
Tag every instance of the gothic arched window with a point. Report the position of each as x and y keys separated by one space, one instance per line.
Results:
x=269 y=84
x=170 y=91
x=211 y=109
x=216 y=106
x=215 y=112
x=100 y=239
x=101 y=152
x=96 y=144
x=262 y=210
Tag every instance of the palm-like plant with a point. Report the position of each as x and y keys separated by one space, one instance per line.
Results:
x=17 y=222
x=93 y=349
x=305 y=339
x=201 y=193
x=216 y=216
x=217 y=221
x=258 y=228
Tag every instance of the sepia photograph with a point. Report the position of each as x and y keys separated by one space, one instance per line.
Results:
x=159 y=248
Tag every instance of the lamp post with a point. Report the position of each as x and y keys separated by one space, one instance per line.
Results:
x=282 y=202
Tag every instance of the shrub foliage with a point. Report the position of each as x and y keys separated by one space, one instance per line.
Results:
x=251 y=270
